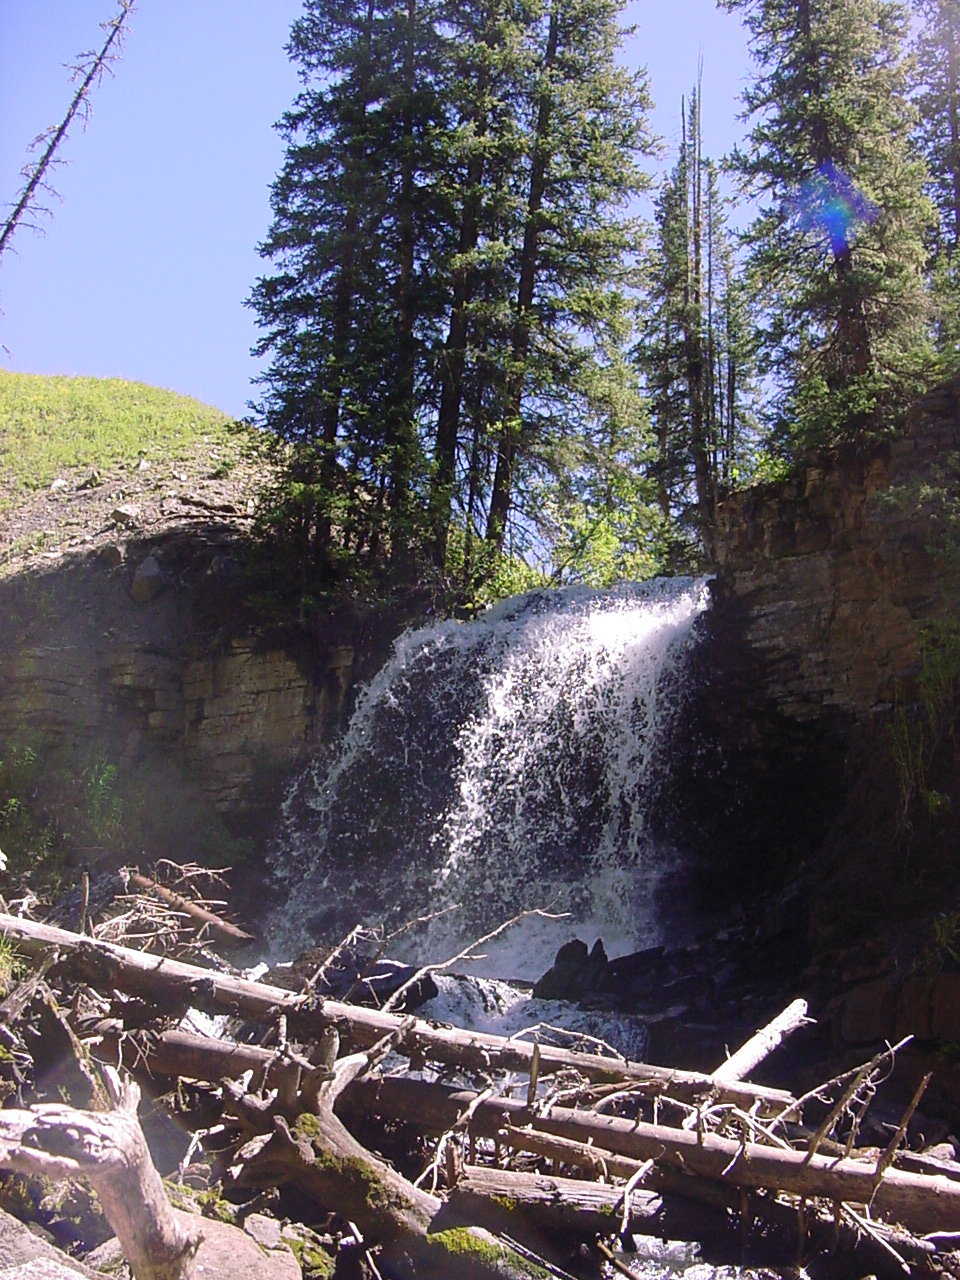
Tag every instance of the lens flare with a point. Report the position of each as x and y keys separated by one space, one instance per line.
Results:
x=830 y=205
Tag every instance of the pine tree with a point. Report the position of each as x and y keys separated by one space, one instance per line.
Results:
x=938 y=59
x=938 y=100
x=450 y=252
x=570 y=253
x=838 y=248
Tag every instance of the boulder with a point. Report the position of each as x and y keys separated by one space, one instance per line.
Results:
x=575 y=972
x=25 y=1256
x=147 y=581
x=226 y=1253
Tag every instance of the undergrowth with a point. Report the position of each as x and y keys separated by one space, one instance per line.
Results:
x=922 y=726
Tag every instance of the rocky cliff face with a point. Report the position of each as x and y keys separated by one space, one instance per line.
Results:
x=844 y=569
x=833 y=589
x=162 y=722
x=90 y=663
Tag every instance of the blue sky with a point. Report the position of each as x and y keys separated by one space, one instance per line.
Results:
x=145 y=264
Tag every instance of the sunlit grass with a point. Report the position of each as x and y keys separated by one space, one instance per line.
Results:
x=52 y=424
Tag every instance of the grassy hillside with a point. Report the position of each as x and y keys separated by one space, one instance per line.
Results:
x=51 y=424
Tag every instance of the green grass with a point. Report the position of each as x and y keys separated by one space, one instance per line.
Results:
x=51 y=424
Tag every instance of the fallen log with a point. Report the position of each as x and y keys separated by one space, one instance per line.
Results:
x=109 y=1150
x=570 y=1206
x=167 y=982
x=222 y=928
x=319 y=1155
x=921 y=1203
x=759 y=1046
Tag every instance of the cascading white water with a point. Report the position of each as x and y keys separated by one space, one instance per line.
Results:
x=503 y=764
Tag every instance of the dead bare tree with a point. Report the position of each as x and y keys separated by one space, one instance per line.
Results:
x=88 y=69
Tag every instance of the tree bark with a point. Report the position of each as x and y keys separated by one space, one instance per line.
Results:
x=223 y=928
x=568 y=1206
x=502 y=492
x=171 y=983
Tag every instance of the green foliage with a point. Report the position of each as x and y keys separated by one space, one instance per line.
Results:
x=52 y=424
x=9 y=969
x=844 y=299
x=450 y=253
x=696 y=351
x=941 y=949
x=932 y=495
x=102 y=807
x=61 y=806
x=938 y=100
x=27 y=835
x=920 y=728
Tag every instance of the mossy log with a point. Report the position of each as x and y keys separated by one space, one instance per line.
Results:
x=320 y=1157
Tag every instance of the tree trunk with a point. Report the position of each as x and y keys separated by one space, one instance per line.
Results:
x=919 y=1202
x=451 y=390
x=502 y=493
x=403 y=411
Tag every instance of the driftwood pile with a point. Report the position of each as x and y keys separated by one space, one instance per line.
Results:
x=508 y=1156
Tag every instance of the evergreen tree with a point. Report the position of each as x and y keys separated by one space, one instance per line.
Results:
x=938 y=59
x=450 y=254
x=838 y=248
x=938 y=99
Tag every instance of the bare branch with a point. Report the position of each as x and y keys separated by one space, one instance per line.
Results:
x=89 y=69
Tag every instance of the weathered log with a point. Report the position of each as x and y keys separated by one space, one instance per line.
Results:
x=570 y=1206
x=919 y=1202
x=164 y=980
x=203 y=915
x=761 y=1045
x=325 y=1161
x=109 y=1150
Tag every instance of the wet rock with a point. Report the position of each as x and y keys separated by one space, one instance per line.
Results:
x=368 y=980
x=147 y=581
x=575 y=973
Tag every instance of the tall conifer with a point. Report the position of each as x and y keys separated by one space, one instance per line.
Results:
x=838 y=246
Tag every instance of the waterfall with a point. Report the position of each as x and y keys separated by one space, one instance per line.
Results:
x=509 y=763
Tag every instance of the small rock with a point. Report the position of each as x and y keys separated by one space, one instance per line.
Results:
x=92 y=481
x=941 y=1151
x=112 y=555
x=58 y=485
x=266 y=1231
x=126 y=515
x=143 y=464
x=147 y=581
